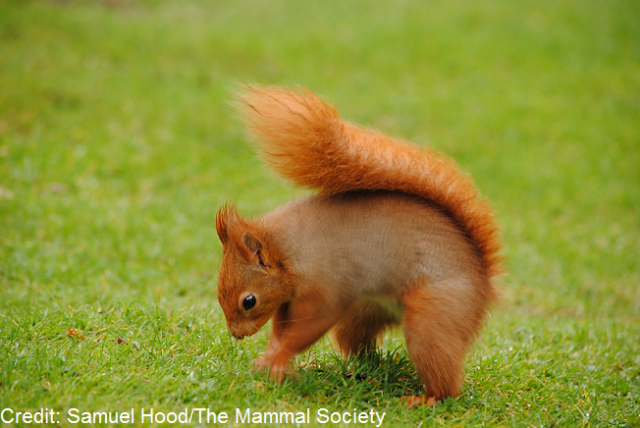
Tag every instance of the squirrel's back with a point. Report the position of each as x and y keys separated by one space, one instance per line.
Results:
x=362 y=243
x=305 y=140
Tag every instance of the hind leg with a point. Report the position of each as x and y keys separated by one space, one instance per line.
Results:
x=358 y=331
x=438 y=329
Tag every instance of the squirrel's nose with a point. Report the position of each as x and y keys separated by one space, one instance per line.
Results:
x=237 y=336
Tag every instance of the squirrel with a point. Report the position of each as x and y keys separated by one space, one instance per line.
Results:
x=395 y=235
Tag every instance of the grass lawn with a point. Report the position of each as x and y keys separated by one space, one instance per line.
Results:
x=118 y=145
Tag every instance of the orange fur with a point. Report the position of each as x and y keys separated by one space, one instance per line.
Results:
x=305 y=141
x=397 y=235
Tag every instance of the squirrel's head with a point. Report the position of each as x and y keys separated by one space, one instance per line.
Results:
x=253 y=280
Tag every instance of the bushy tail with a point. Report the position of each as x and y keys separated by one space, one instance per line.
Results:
x=305 y=141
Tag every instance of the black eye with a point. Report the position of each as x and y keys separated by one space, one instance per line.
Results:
x=249 y=302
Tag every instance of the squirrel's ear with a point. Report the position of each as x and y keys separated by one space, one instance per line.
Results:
x=221 y=223
x=252 y=242
x=253 y=245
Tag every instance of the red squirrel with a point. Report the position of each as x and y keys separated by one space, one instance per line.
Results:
x=396 y=235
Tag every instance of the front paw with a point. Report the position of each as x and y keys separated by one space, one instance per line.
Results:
x=277 y=372
x=261 y=364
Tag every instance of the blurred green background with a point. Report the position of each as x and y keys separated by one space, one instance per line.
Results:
x=118 y=144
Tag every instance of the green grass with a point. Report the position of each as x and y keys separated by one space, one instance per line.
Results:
x=118 y=145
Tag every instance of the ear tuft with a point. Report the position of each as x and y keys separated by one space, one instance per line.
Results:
x=222 y=220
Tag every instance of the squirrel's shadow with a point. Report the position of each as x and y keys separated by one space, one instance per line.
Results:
x=370 y=378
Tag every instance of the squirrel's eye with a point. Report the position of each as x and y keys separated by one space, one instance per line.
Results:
x=249 y=302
